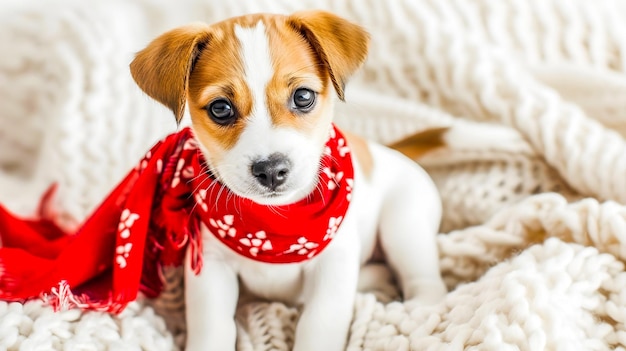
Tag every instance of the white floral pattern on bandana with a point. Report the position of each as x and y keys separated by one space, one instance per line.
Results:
x=179 y=169
x=334 y=179
x=144 y=162
x=127 y=220
x=349 y=188
x=122 y=253
x=224 y=226
x=200 y=197
x=257 y=242
x=342 y=147
x=303 y=247
x=333 y=227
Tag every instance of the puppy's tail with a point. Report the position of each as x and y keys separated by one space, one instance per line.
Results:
x=415 y=146
x=462 y=138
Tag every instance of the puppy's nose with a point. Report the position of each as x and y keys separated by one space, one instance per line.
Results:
x=271 y=172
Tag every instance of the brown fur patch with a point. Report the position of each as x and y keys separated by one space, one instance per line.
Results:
x=361 y=150
x=339 y=44
x=295 y=66
x=421 y=143
x=163 y=68
x=218 y=74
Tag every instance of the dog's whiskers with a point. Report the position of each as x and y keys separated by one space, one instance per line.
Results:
x=208 y=189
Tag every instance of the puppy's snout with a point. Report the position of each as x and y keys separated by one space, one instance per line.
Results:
x=271 y=172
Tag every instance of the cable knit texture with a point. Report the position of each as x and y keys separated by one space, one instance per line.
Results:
x=534 y=228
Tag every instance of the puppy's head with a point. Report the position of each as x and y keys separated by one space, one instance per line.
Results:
x=259 y=90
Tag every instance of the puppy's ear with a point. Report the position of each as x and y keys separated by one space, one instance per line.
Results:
x=340 y=45
x=162 y=69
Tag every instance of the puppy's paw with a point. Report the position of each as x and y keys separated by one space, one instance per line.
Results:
x=377 y=278
x=424 y=292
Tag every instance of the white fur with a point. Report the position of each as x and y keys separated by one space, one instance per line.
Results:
x=398 y=200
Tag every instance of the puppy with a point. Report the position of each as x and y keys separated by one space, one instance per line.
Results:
x=259 y=91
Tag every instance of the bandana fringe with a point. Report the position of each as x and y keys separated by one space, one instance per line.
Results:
x=63 y=299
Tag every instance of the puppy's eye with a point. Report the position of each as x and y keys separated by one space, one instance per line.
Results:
x=303 y=100
x=221 y=112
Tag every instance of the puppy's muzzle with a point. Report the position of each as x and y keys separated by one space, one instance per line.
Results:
x=271 y=172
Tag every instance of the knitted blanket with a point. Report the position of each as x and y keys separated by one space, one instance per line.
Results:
x=534 y=229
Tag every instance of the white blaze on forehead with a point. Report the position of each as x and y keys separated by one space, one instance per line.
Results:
x=257 y=63
x=260 y=138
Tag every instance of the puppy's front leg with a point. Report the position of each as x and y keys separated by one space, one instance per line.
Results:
x=409 y=223
x=330 y=289
x=211 y=301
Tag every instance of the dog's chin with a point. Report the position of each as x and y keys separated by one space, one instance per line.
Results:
x=284 y=195
x=273 y=198
x=278 y=197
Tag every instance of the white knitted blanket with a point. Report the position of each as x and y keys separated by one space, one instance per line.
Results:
x=533 y=239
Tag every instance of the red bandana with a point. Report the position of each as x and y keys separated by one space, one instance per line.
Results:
x=151 y=217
